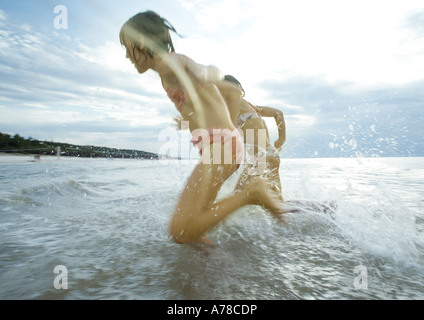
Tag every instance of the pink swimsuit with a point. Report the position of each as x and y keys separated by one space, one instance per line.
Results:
x=229 y=138
x=177 y=94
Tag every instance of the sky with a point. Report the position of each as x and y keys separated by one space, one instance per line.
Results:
x=348 y=75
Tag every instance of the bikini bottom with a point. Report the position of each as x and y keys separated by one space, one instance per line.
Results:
x=229 y=138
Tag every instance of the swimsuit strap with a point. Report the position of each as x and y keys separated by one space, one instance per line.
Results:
x=241 y=120
x=230 y=138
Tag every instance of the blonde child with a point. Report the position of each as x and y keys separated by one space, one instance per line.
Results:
x=191 y=87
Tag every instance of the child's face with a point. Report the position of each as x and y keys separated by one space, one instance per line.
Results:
x=137 y=57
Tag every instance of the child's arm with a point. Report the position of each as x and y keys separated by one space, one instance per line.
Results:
x=204 y=87
x=211 y=74
x=197 y=80
x=203 y=73
x=279 y=120
x=230 y=92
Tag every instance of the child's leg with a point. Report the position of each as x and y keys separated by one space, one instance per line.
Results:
x=244 y=178
x=273 y=174
x=197 y=212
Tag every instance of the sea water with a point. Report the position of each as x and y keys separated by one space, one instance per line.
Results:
x=97 y=229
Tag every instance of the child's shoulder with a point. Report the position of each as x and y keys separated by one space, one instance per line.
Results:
x=182 y=58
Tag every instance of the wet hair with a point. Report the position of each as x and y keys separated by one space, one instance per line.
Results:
x=232 y=79
x=155 y=30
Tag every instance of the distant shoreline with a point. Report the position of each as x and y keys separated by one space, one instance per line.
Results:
x=11 y=158
x=20 y=145
x=14 y=158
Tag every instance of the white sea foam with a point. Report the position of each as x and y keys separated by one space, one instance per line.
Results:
x=106 y=221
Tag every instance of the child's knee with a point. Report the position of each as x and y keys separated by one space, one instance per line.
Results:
x=181 y=239
x=177 y=240
x=179 y=235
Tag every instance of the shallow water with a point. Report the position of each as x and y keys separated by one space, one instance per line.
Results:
x=106 y=222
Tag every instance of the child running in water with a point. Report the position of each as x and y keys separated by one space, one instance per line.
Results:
x=261 y=154
x=191 y=87
x=248 y=118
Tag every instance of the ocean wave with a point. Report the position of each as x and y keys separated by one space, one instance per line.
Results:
x=107 y=221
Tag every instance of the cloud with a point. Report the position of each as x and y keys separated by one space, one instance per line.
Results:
x=348 y=75
x=415 y=22
x=3 y=15
x=347 y=120
x=217 y=15
x=55 y=82
x=356 y=41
